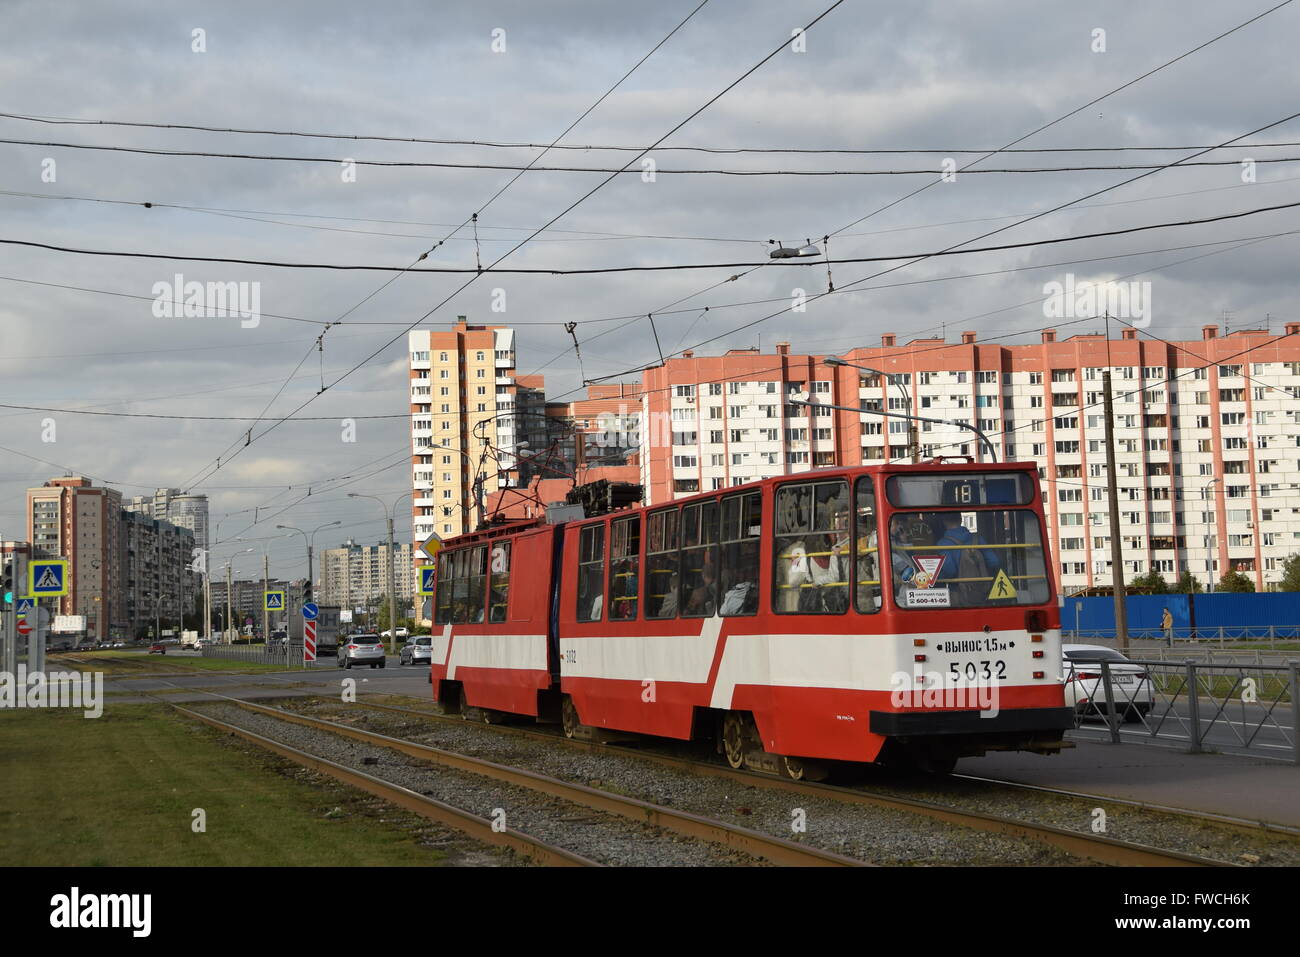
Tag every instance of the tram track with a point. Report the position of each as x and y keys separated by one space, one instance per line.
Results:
x=757 y=847
x=1097 y=848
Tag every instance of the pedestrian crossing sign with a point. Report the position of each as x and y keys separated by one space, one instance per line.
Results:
x=1002 y=587
x=47 y=577
x=273 y=601
x=428 y=578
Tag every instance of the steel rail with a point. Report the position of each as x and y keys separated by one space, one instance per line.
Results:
x=754 y=843
x=469 y=824
x=1095 y=847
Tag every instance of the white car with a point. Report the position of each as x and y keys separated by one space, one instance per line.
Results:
x=1085 y=688
x=401 y=633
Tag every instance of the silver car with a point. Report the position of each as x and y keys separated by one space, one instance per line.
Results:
x=361 y=650
x=1085 y=689
x=417 y=651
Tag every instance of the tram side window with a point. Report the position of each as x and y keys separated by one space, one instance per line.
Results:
x=661 y=564
x=442 y=615
x=867 y=597
x=742 y=519
x=591 y=573
x=460 y=587
x=624 y=564
x=811 y=538
x=499 y=582
x=699 y=597
x=476 y=580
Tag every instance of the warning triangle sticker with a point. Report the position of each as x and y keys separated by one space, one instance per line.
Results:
x=1002 y=587
x=929 y=565
x=50 y=578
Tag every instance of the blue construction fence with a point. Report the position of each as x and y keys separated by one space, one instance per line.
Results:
x=1236 y=615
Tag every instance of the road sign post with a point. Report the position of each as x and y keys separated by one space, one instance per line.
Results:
x=309 y=612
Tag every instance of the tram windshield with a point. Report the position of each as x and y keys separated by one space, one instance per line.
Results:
x=967 y=559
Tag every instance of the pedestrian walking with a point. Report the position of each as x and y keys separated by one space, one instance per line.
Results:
x=1167 y=624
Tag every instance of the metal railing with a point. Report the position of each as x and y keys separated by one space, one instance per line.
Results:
x=288 y=655
x=1211 y=705
x=1271 y=635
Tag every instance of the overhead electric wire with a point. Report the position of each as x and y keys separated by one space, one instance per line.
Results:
x=1008 y=146
x=553 y=220
x=593 y=147
x=621 y=171
x=954 y=250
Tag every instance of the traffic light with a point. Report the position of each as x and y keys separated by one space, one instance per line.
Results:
x=306 y=592
x=7 y=585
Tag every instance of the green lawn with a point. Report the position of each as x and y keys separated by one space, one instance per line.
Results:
x=126 y=662
x=120 y=790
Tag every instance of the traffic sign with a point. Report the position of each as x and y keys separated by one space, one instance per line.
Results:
x=25 y=605
x=432 y=545
x=428 y=579
x=309 y=640
x=310 y=611
x=47 y=577
x=24 y=629
x=273 y=601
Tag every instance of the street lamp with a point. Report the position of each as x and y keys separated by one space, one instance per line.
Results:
x=229 y=567
x=835 y=362
x=793 y=252
x=266 y=584
x=392 y=563
x=311 y=544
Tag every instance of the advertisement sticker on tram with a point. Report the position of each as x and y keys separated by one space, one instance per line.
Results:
x=926 y=597
x=929 y=566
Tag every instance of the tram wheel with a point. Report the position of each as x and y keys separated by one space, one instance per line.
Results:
x=569 y=717
x=735 y=737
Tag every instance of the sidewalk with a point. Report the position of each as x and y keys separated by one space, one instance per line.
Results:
x=1217 y=783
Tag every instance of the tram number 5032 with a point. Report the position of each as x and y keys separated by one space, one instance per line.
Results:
x=974 y=670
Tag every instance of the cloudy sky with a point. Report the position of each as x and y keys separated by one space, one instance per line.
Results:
x=938 y=76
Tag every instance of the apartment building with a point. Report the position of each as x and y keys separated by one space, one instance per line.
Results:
x=1207 y=434
x=70 y=518
x=464 y=431
x=181 y=510
x=158 y=584
x=353 y=575
x=710 y=422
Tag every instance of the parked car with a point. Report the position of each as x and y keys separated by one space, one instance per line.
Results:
x=417 y=651
x=362 y=650
x=1085 y=688
x=401 y=633
x=157 y=648
x=86 y=646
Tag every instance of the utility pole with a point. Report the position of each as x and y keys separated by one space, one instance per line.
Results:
x=392 y=588
x=229 y=569
x=266 y=584
x=1112 y=499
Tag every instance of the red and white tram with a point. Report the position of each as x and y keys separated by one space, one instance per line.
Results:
x=852 y=615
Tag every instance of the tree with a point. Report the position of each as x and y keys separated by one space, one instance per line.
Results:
x=381 y=616
x=1291 y=574
x=1234 y=581
x=1152 y=583
x=1188 y=584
